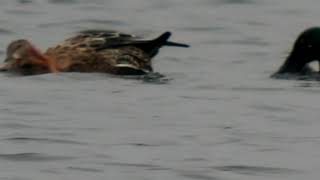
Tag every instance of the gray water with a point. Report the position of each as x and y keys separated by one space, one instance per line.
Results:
x=220 y=117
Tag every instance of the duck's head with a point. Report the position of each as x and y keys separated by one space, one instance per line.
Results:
x=24 y=58
x=305 y=50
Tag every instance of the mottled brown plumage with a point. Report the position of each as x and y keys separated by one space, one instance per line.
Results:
x=89 y=51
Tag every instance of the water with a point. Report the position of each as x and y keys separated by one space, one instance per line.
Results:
x=219 y=116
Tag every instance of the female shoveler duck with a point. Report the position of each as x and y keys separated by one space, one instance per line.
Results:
x=305 y=50
x=89 y=51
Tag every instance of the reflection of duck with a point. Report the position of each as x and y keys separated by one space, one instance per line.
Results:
x=89 y=51
x=305 y=50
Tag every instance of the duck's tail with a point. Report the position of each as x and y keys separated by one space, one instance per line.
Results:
x=162 y=40
x=152 y=46
x=175 y=44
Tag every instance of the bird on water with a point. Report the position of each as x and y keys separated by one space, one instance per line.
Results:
x=306 y=49
x=89 y=51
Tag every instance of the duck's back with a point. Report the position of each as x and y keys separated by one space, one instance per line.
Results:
x=108 y=51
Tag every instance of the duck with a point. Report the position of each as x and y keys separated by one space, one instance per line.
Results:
x=103 y=51
x=305 y=50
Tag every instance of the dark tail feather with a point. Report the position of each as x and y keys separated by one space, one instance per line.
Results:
x=163 y=41
x=169 y=43
x=153 y=46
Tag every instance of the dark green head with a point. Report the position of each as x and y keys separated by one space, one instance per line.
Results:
x=305 y=50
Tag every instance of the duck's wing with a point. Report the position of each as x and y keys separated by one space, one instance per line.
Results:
x=104 y=39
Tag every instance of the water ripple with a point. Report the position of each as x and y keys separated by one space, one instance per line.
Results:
x=312 y=76
x=258 y=89
x=84 y=169
x=12 y=125
x=197 y=175
x=33 y=157
x=142 y=165
x=265 y=107
x=62 y=1
x=230 y=2
x=24 y=1
x=255 y=170
x=81 y=22
x=44 y=140
x=151 y=78
x=14 y=178
x=203 y=29
x=246 y=2
x=24 y=12
x=4 y=31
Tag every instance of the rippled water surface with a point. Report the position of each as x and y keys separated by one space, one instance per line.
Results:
x=218 y=115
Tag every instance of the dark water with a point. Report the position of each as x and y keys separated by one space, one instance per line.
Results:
x=218 y=117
